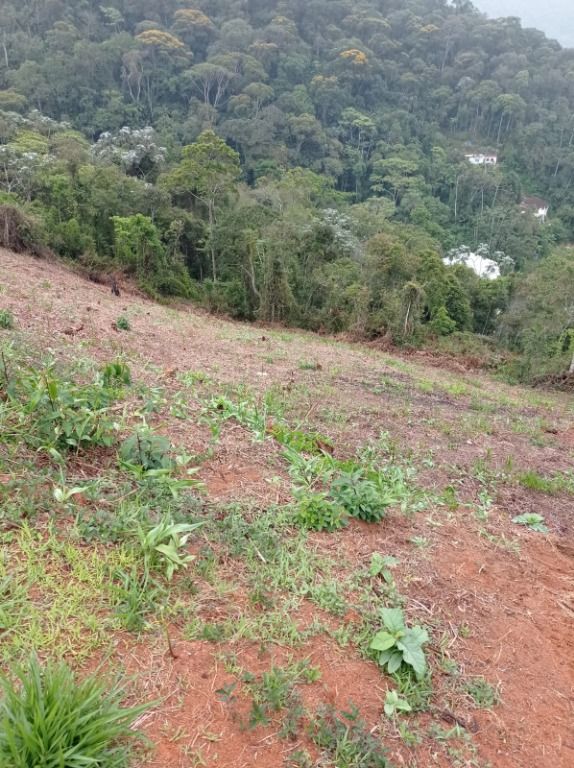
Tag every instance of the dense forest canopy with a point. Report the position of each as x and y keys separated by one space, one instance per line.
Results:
x=312 y=163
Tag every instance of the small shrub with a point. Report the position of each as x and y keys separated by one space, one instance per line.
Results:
x=367 y=493
x=312 y=443
x=317 y=512
x=161 y=546
x=48 y=719
x=136 y=597
x=146 y=450
x=442 y=324
x=309 y=365
x=398 y=644
x=417 y=691
x=20 y=231
x=58 y=415
x=394 y=704
x=123 y=324
x=275 y=690
x=6 y=319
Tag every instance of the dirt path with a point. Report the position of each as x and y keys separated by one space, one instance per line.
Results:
x=501 y=598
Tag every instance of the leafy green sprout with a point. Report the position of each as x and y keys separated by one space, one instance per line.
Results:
x=381 y=565
x=398 y=644
x=532 y=520
x=482 y=693
x=394 y=704
x=146 y=450
x=161 y=546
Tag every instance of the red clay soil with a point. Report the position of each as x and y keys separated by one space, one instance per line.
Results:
x=506 y=615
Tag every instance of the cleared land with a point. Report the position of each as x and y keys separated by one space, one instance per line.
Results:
x=270 y=624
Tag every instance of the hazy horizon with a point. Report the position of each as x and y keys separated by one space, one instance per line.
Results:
x=554 y=17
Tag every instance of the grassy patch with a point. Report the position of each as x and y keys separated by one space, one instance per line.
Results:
x=551 y=485
x=60 y=593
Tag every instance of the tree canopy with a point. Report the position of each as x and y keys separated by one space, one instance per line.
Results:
x=312 y=163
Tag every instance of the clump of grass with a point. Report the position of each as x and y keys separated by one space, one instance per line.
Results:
x=275 y=691
x=123 y=324
x=557 y=483
x=347 y=741
x=482 y=693
x=309 y=365
x=50 y=719
x=6 y=319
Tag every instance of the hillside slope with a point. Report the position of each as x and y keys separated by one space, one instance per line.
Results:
x=496 y=597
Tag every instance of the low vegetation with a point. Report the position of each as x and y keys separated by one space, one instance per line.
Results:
x=49 y=718
x=289 y=563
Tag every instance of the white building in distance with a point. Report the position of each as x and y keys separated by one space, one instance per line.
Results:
x=482 y=159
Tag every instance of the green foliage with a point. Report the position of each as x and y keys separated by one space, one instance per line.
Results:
x=20 y=230
x=48 y=718
x=398 y=644
x=161 y=546
x=123 y=324
x=275 y=690
x=6 y=319
x=317 y=512
x=381 y=565
x=395 y=704
x=147 y=450
x=249 y=414
x=239 y=164
x=300 y=441
x=539 y=323
x=558 y=483
x=346 y=740
x=442 y=324
x=367 y=493
x=55 y=414
x=532 y=520
x=482 y=693
x=138 y=247
x=116 y=374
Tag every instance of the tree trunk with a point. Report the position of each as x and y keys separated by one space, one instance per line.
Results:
x=210 y=207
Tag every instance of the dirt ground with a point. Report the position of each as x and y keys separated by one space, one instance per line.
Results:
x=499 y=597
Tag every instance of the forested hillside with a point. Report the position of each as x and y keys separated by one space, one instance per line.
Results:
x=300 y=162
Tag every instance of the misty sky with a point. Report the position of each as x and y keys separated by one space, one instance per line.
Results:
x=555 y=17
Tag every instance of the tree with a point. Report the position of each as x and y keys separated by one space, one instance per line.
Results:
x=208 y=172
x=540 y=320
x=137 y=244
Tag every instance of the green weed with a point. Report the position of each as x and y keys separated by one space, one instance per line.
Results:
x=533 y=521
x=49 y=718
x=123 y=324
x=345 y=740
x=558 y=483
x=399 y=645
x=482 y=693
x=6 y=320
